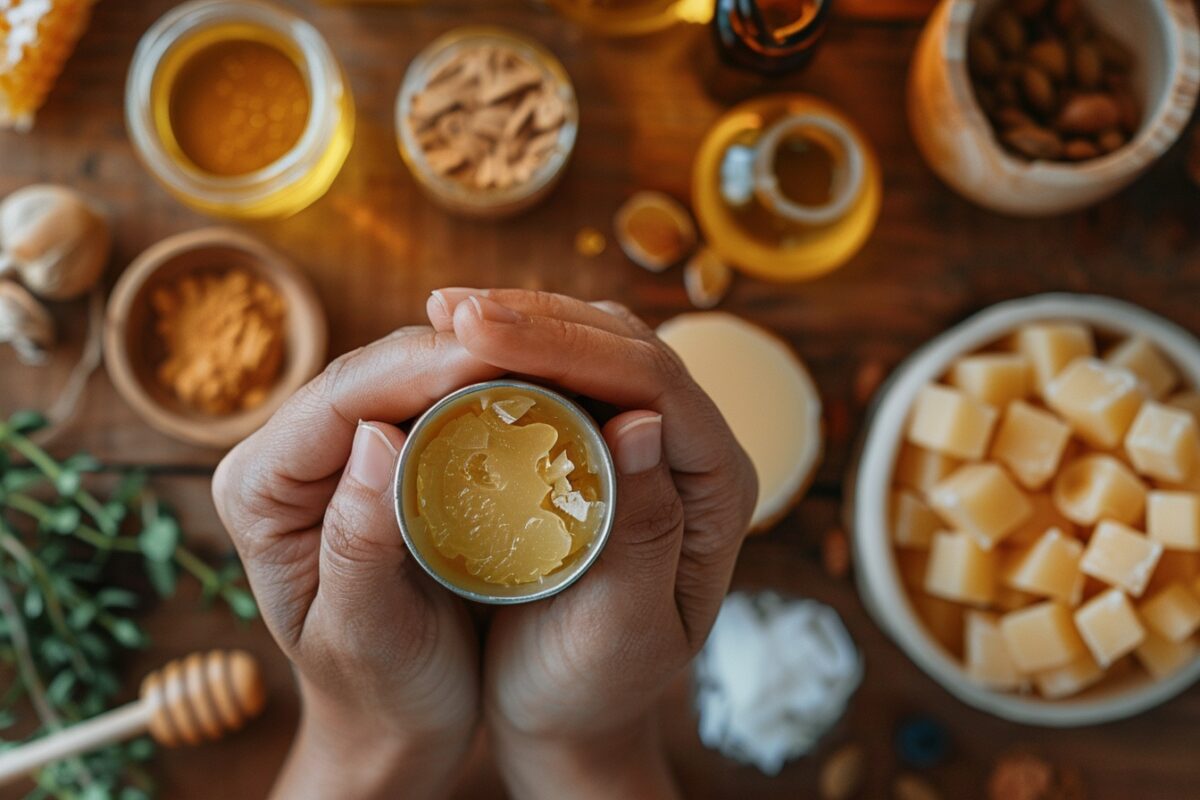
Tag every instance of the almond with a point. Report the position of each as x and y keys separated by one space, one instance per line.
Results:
x=1088 y=114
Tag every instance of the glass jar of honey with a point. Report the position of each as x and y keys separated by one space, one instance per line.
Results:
x=623 y=17
x=786 y=187
x=239 y=109
x=505 y=492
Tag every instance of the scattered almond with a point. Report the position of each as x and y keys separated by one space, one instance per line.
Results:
x=1021 y=776
x=835 y=553
x=590 y=242
x=706 y=278
x=488 y=118
x=843 y=773
x=912 y=787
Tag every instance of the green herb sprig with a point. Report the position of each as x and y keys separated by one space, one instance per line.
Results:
x=65 y=618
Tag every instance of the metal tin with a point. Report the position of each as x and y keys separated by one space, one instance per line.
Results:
x=478 y=590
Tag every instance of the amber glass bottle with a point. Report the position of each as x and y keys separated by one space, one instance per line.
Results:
x=770 y=37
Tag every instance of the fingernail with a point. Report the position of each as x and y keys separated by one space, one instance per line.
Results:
x=372 y=458
x=639 y=445
x=491 y=311
x=451 y=296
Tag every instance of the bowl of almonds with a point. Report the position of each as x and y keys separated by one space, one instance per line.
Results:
x=486 y=121
x=1037 y=107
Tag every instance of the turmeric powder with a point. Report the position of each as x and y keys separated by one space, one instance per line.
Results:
x=223 y=337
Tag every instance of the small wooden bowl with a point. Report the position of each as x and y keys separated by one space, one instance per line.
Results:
x=132 y=350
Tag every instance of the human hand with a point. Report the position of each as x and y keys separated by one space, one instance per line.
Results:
x=387 y=661
x=570 y=683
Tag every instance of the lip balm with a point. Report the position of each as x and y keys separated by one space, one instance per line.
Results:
x=505 y=492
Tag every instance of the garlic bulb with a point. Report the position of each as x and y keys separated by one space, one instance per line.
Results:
x=54 y=240
x=25 y=323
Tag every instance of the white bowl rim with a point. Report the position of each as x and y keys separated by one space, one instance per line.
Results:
x=1154 y=137
x=870 y=480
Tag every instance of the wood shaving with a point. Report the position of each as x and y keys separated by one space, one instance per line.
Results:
x=488 y=118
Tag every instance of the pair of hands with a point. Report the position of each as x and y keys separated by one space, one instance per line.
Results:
x=394 y=674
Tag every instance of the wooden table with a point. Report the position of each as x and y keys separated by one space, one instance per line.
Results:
x=375 y=247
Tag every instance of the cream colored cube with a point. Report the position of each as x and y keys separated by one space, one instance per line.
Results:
x=1045 y=516
x=1143 y=359
x=951 y=422
x=1173 y=518
x=1162 y=657
x=986 y=654
x=1055 y=684
x=1030 y=442
x=1163 y=442
x=1173 y=613
x=1049 y=567
x=920 y=469
x=943 y=619
x=959 y=569
x=1098 y=401
x=1099 y=487
x=1041 y=637
x=1121 y=557
x=913 y=522
x=994 y=378
x=1188 y=401
x=1051 y=346
x=1109 y=626
x=981 y=500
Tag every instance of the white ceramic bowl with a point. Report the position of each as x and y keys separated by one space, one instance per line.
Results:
x=879 y=581
x=958 y=142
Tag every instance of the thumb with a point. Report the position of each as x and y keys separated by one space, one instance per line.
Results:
x=362 y=551
x=643 y=549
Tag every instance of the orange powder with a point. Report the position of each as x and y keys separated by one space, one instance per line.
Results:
x=237 y=106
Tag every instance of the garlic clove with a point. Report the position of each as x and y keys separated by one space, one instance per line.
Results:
x=25 y=323
x=54 y=239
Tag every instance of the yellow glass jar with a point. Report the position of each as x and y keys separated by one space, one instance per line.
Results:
x=626 y=17
x=785 y=187
x=264 y=59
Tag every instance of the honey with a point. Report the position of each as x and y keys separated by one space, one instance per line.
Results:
x=238 y=109
x=503 y=487
x=237 y=106
x=623 y=17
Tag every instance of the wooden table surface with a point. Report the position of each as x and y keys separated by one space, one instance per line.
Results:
x=375 y=248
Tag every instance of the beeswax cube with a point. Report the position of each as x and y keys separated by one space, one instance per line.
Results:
x=1121 y=557
x=1163 y=442
x=1041 y=637
x=1030 y=442
x=913 y=522
x=1187 y=401
x=1045 y=516
x=1099 y=486
x=1109 y=626
x=994 y=378
x=986 y=654
x=1098 y=401
x=920 y=469
x=959 y=569
x=1173 y=613
x=1050 y=568
x=1055 y=684
x=1142 y=358
x=983 y=501
x=1162 y=657
x=943 y=619
x=1051 y=346
x=951 y=422
x=1173 y=518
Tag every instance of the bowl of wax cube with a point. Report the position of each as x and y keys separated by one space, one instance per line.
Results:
x=1025 y=509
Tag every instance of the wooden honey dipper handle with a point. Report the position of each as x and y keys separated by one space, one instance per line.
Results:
x=200 y=697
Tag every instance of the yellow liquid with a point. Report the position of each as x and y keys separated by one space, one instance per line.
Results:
x=506 y=493
x=182 y=86
x=238 y=106
x=622 y=17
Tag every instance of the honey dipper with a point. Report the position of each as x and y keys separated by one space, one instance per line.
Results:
x=200 y=697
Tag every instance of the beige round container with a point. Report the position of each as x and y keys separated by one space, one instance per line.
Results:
x=869 y=483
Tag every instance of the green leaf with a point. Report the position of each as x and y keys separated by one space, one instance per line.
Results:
x=96 y=792
x=19 y=480
x=141 y=749
x=131 y=793
x=7 y=718
x=68 y=482
x=34 y=603
x=127 y=633
x=26 y=421
x=82 y=615
x=58 y=691
x=64 y=520
x=162 y=575
x=159 y=540
x=113 y=597
x=82 y=462
x=130 y=487
x=241 y=602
